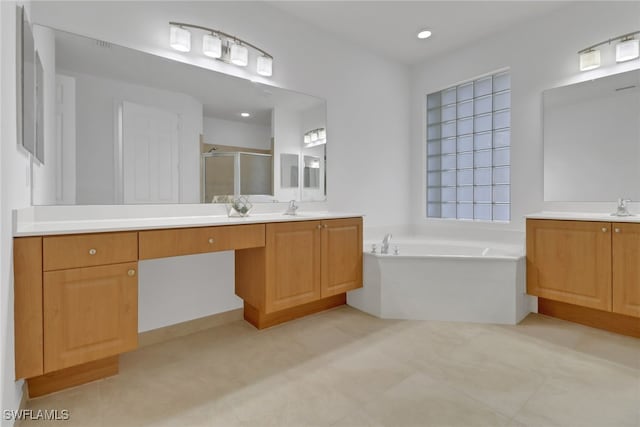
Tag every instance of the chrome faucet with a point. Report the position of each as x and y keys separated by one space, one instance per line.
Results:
x=291 y=210
x=385 y=244
x=623 y=210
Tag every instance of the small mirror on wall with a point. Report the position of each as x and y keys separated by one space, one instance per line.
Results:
x=289 y=170
x=26 y=83
x=39 y=153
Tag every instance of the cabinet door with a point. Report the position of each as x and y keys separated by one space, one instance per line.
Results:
x=293 y=264
x=89 y=314
x=626 y=269
x=341 y=256
x=570 y=261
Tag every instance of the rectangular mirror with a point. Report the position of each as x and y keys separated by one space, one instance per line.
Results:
x=135 y=128
x=592 y=140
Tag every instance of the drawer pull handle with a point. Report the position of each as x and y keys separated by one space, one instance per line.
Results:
x=211 y=240
x=131 y=273
x=617 y=230
x=604 y=229
x=92 y=251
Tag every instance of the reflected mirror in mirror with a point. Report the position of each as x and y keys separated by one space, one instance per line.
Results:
x=135 y=128
x=289 y=170
x=592 y=140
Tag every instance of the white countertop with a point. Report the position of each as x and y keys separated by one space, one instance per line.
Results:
x=583 y=216
x=33 y=227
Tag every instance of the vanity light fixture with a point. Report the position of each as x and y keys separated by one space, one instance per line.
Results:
x=627 y=48
x=315 y=137
x=589 y=60
x=180 y=39
x=221 y=46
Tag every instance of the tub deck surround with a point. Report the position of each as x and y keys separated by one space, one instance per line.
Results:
x=585 y=268
x=445 y=280
x=76 y=281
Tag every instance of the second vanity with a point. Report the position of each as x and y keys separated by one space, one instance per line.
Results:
x=586 y=268
x=76 y=285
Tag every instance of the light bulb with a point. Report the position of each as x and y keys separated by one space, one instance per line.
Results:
x=314 y=136
x=589 y=60
x=627 y=50
x=179 y=39
x=322 y=133
x=212 y=46
x=307 y=138
x=265 y=66
x=239 y=55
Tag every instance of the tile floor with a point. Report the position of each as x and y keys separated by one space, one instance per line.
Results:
x=345 y=368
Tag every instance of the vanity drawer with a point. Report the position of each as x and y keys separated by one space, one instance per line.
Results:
x=187 y=241
x=86 y=250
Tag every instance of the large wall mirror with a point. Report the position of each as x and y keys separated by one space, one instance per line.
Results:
x=592 y=140
x=133 y=128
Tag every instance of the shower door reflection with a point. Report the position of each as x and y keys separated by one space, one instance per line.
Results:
x=229 y=174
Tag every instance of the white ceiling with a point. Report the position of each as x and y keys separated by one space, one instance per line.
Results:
x=389 y=28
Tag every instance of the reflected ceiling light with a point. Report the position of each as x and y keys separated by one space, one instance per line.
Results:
x=589 y=60
x=221 y=46
x=180 y=38
x=627 y=49
x=212 y=46
x=315 y=137
x=245 y=114
x=424 y=34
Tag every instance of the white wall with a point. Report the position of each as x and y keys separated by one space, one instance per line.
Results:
x=15 y=192
x=97 y=100
x=231 y=132
x=541 y=54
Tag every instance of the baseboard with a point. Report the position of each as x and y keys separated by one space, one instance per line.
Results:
x=73 y=376
x=189 y=327
x=612 y=322
x=263 y=320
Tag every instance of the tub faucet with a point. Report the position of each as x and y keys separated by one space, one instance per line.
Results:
x=291 y=210
x=385 y=244
x=622 y=208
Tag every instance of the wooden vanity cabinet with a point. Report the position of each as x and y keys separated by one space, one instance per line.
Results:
x=89 y=314
x=341 y=256
x=586 y=272
x=304 y=267
x=570 y=261
x=626 y=269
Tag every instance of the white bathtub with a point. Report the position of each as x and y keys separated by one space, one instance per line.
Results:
x=444 y=280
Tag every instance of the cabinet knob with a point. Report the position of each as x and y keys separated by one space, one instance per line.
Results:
x=92 y=251
x=617 y=230
x=319 y=226
x=131 y=272
x=604 y=229
x=324 y=225
x=211 y=240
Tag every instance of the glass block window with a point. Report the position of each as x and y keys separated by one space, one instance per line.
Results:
x=468 y=143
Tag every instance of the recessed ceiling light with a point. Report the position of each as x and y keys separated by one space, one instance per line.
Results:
x=424 y=34
x=245 y=114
